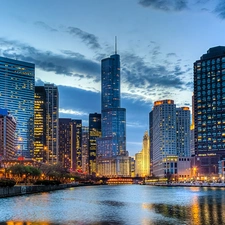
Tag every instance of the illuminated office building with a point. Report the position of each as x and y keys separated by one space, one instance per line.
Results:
x=111 y=147
x=209 y=109
x=85 y=149
x=142 y=159
x=70 y=144
x=52 y=115
x=17 y=96
x=40 y=148
x=94 y=133
x=169 y=137
x=7 y=135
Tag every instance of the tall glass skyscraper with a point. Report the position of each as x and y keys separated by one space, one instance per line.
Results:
x=17 y=96
x=113 y=121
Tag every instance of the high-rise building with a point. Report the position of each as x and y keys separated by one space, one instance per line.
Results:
x=70 y=142
x=7 y=135
x=40 y=124
x=169 y=137
x=183 y=131
x=112 y=144
x=142 y=168
x=85 y=149
x=94 y=133
x=17 y=96
x=52 y=115
x=209 y=109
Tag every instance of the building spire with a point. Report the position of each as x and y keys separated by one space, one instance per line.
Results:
x=115 y=44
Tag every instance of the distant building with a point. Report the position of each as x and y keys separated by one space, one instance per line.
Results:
x=52 y=115
x=17 y=96
x=70 y=142
x=94 y=134
x=85 y=149
x=7 y=135
x=142 y=159
x=169 y=137
x=209 y=109
x=40 y=148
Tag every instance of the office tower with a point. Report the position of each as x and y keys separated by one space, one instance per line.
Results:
x=40 y=124
x=85 y=149
x=112 y=145
x=17 y=96
x=142 y=159
x=70 y=142
x=169 y=137
x=7 y=135
x=192 y=129
x=52 y=115
x=209 y=106
x=183 y=131
x=94 y=133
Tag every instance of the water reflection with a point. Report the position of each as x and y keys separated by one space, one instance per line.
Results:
x=117 y=205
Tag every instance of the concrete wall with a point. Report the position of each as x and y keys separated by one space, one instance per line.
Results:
x=21 y=190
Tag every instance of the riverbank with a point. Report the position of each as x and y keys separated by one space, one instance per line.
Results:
x=196 y=184
x=31 y=189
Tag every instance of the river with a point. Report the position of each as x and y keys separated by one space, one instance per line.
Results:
x=119 y=204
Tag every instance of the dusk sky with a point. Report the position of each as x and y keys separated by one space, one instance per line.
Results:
x=158 y=42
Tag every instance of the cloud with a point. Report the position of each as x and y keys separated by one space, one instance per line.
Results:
x=90 y=39
x=70 y=63
x=220 y=9
x=72 y=112
x=45 y=26
x=138 y=74
x=165 y=5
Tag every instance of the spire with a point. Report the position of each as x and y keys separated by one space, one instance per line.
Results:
x=115 y=44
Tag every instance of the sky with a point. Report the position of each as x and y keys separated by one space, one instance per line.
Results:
x=158 y=42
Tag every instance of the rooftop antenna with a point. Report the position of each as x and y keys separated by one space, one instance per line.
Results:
x=115 y=44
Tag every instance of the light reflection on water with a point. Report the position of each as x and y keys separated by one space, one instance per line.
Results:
x=128 y=204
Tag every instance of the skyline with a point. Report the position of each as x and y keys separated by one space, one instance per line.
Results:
x=158 y=42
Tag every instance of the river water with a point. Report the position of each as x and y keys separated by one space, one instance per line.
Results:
x=119 y=204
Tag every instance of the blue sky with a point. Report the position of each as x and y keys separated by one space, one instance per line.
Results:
x=158 y=41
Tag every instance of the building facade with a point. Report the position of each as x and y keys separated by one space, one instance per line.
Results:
x=112 y=144
x=94 y=134
x=209 y=108
x=52 y=116
x=85 y=149
x=169 y=137
x=70 y=144
x=40 y=124
x=17 y=96
x=7 y=135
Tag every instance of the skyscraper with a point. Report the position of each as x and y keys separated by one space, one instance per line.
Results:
x=85 y=149
x=70 y=143
x=209 y=106
x=94 y=133
x=40 y=124
x=52 y=115
x=112 y=144
x=169 y=137
x=7 y=135
x=17 y=96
